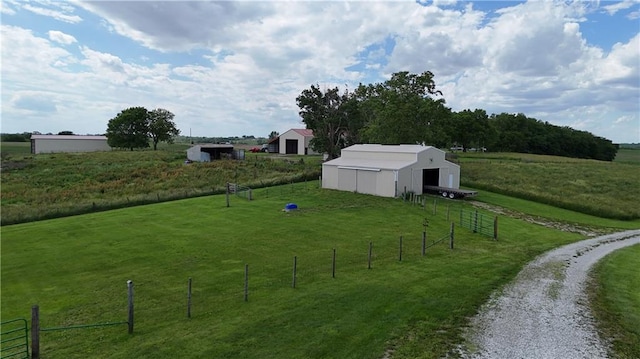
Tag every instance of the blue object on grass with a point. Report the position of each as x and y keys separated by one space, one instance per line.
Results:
x=290 y=206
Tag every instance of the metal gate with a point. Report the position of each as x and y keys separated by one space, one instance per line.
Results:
x=15 y=339
x=479 y=223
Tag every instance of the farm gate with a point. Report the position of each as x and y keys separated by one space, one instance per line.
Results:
x=479 y=223
x=15 y=339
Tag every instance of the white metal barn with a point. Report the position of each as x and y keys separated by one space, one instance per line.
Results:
x=389 y=170
x=296 y=142
x=208 y=152
x=68 y=143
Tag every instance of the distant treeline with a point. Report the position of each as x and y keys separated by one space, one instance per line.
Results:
x=407 y=109
x=518 y=133
x=15 y=137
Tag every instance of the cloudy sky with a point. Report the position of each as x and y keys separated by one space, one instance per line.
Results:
x=235 y=68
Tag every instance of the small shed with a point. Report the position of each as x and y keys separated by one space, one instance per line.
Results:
x=68 y=143
x=389 y=170
x=273 y=146
x=296 y=142
x=208 y=152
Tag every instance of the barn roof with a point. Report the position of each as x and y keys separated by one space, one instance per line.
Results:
x=387 y=148
x=213 y=145
x=67 y=137
x=357 y=163
x=303 y=132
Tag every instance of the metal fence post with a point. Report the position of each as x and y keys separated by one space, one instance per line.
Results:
x=130 y=300
x=475 y=222
x=189 y=299
x=295 y=265
x=227 y=191
x=246 y=282
x=370 y=250
x=400 y=250
x=333 y=265
x=35 y=332
x=495 y=228
x=451 y=237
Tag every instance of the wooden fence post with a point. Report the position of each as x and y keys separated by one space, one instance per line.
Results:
x=130 y=300
x=35 y=332
x=434 y=206
x=189 y=299
x=451 y=237
x=227 y=191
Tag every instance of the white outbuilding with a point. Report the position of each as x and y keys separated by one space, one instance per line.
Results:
x=390 y=170
x=296 y=142
x=207 y=152
x=68 y=143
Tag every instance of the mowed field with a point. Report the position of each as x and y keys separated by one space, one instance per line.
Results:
x=76 y=268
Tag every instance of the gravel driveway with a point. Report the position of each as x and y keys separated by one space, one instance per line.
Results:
x=543 y=313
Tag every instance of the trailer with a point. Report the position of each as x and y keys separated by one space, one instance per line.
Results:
x=449 y=192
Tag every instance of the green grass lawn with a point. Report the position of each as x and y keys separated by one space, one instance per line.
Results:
x=76 y=269
x=616 y=300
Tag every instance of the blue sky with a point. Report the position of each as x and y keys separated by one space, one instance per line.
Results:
x=235 y=68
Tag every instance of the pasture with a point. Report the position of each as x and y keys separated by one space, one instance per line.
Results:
x=75 y=269
x=602 y=189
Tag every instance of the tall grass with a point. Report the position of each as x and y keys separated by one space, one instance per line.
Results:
x=53 y=185
x=602 y=189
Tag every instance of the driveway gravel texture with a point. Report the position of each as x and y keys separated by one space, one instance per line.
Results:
x=544 y=312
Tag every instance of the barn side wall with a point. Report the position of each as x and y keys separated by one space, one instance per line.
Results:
x=77 y=145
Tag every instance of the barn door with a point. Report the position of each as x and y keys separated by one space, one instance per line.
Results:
x=291 y=147
x=431 y=177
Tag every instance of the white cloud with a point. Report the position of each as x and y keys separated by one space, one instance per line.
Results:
x=618 y=6
x=58 y=15
x=61 y=37
x=6 y=7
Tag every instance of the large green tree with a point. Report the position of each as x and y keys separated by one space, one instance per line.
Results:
x=402 y=109
x=333 y=117
x=129 y=129
x=471 y=128
x=161 y=126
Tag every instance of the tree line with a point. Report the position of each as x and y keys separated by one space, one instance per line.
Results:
x=408 y=109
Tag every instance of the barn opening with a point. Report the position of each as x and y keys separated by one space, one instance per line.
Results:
x=430 y=177
x=218 y=153
x=291 y=147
